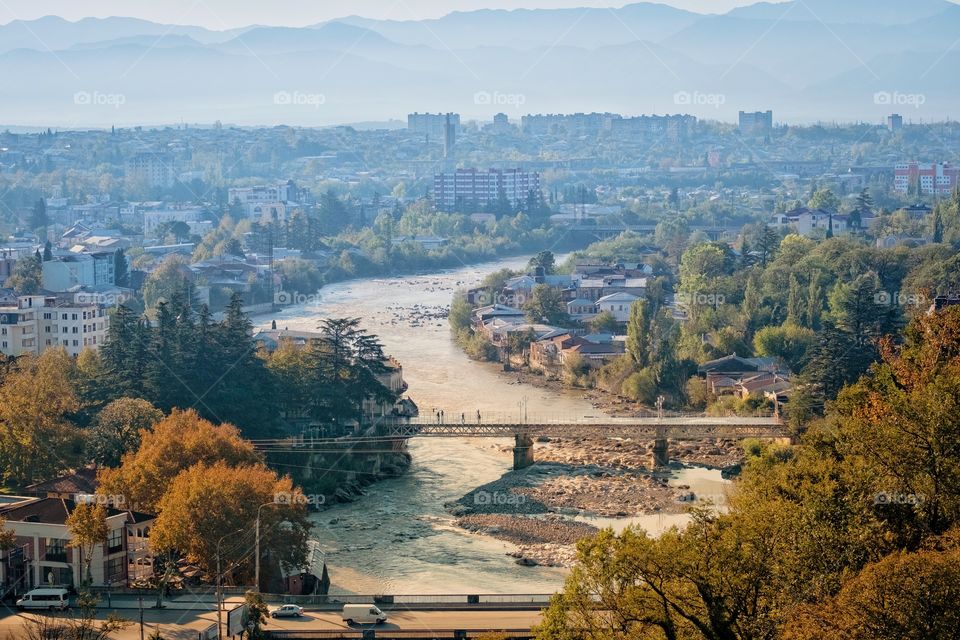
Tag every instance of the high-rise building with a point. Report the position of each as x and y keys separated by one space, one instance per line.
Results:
x=581 y=124
x=472 y=189
x=449 y=137
x=894 y=122
x=433 y=125
x=756 y=123
x=926 y=178
x=673 y=128
x=155 y=169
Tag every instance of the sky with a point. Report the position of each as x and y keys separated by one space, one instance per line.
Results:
x=226 y=14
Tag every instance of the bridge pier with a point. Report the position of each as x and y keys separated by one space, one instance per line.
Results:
x=660 y=455
x=522 y=451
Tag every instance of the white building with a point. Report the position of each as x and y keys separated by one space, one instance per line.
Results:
x=195 y=217
x=68 y=270
x=38 y=323
x=618 y=304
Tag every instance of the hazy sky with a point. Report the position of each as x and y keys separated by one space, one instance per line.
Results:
x=223 y=14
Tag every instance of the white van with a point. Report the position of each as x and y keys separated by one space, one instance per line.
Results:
x=45 y=599
x=363 y=613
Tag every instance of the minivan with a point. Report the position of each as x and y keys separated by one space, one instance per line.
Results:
x=363 y=613
x=45 y=599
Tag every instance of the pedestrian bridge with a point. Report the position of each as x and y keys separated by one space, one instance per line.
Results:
x=661 y=428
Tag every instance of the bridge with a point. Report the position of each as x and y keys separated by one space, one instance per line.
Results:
x=660 y=427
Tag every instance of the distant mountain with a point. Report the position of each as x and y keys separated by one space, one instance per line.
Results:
x=52 y=33
x=529 y=28
x=809 y=60
x=882 y=12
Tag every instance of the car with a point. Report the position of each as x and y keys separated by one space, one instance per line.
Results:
x=51 y=599
x=287 y=611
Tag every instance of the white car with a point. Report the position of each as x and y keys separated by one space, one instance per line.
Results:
x=363 y=613
x=287 y=611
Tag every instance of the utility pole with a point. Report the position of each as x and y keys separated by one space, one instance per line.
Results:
x=256 y=552
x=140 y=602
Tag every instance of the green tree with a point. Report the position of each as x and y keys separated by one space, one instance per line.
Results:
x=121 y=270
x=546 y=305
x=27 y=276
x=117 y=428
x=824 y=198
x=544 y=260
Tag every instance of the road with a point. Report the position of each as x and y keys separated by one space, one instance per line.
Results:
x=184 y=624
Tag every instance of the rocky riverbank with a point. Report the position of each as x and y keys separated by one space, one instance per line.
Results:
x=547 y=541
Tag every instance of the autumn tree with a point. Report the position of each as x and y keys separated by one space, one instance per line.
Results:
x=37 y=437
x=178 y=442
x=87 y=524
x=205 y=502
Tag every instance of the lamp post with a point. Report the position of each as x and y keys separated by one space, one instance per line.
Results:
x=256 y=553
x=220 y=586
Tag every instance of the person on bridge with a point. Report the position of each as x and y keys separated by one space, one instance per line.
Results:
x=463 y=418
x=478 y=416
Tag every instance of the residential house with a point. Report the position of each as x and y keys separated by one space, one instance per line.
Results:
x=617 y=304
x=42 y=555
x=551 y=353
x=724 y=375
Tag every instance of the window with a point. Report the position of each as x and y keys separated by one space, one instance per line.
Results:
x=115 y=541
x=115 y=569
x=56 y=550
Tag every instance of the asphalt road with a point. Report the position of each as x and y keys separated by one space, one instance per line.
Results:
x=185 y=624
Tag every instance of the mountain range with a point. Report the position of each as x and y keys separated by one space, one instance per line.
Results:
x=808 y=60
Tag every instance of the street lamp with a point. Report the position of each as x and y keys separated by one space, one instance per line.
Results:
x=220 y=585
x=256 y=560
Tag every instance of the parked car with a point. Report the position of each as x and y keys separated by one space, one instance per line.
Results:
x=287 y=611
x=363 y=613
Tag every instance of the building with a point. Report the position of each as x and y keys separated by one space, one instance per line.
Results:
x=755 y=123
x=196 y=218
x=815 y=223
x=152 y=168
x=42 y=555
x=477 y=188
x=673 y=128
x=433 y=125
x=894 y=122
x=577 y=124
x=925 y=178
x=449 y=137
x=617 y=304
x=37 y=323
x=68 y=270
x=267 y=203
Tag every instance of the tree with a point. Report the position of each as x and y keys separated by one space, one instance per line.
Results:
x=604 y=322
x=824 y=198
x=37 y=437
x=48 y=251
x=87 y=524
x=546 y=305
x=176 y=443
x=544 y=260
x=788 y=342
x=117 y=429
x=8 y=538
x=639 y=342
x=38 y=215
x=257 y=614
x=121 y=272
x=170 y=280
x=904 y=596
x=204 y=503
x=27 y=276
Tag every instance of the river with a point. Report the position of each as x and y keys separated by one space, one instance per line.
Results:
x=398 y=538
